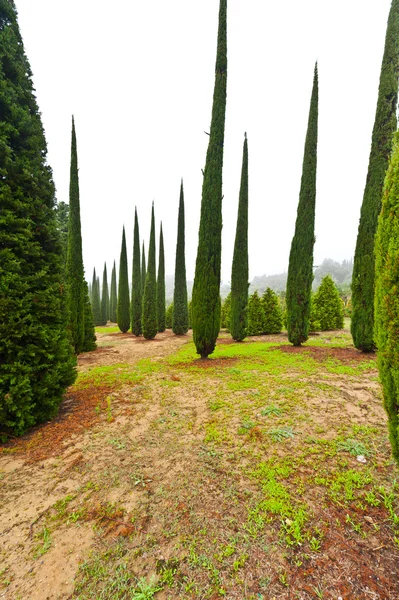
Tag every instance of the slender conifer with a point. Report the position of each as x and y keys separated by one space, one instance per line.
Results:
x=239 y=272
x=206 y=289
x=300 y=267
x=96 y=301
x=161 y=299
x=137 y=296
x=180 y=304
x=385 y=124
x=105 y=298
x=89 y=342
x=143 y=270
x=149 y=318
x=123 y=306
x=113 y=296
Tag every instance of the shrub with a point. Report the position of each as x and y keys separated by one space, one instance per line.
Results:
x=327 y=306
x=273 y=318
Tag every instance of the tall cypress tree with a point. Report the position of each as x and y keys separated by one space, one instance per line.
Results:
x=300 y=267
x=180 y=304
x=206 y=289
x=36 y=358
x=89 y=341
x=137 y=297
x=239 y=272
x=105 y=298
x=123 y=306
x=387 y=298
x=385 y=125
x=74 y=268
x=161 y=299
x=113 y=296
x=149 y=318
x=143 y=270
x=96 y=301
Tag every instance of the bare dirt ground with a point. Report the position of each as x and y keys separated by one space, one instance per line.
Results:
x=235 y=477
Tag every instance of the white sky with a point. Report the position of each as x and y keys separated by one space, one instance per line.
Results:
x=139 y=76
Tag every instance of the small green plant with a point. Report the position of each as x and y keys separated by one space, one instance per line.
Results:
x=354 y=447
x=281 y=433
x=46 y=543
x=246 y=426
x=271 y=410
x=145 y=590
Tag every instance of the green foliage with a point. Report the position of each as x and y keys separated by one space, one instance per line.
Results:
x=104 y=298
x=89 y=340
x=300 y=267
x=143 y=270
x=74 y=265
x=273 y=316
x=327 y=307
x=149 y=318
x=62 y=214
x=137 y=297
x=206 y=298
x=239 y=271
x=113 y=300
x=180 y=306
x=256 y=315
x=161 y=301
x=225 y=313
x=387 y=297
x=95 y=299
x=190 y=312
x=169 y=316
x=123 y=306
x=36 y=358
x=385 y=124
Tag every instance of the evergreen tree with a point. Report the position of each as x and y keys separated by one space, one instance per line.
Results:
x=36 y=358
x=62 y=212
x=239 y=272
x=143 y=270
x=74 y=266
x=385 y=125
x=300 y=267
x=89 y=341
x=256 y=315
x=273 y=316
x=105 y=298
x=206 y=289
x=113 y=301
x=190 y=312
x=226 y=313
x=161 y=299
x=123 y=306
x=149 y=318
x=327 y=306
x=96 y=302
x=169 y=316
x=137 y=296
x=180 y=305
x=387 y=298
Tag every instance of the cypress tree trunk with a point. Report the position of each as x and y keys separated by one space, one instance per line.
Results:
x=143 y=270
x=96 y=302
x=206 y=289
x=74 y=268
x=137 y=297
x=387 y=298
x=180 y=305
x=161 y=300
x=123 y=307
x=300 y=267
x=37 y=362
x=385 y=125
x=113 y=296
x=149 y=319
x=239 y=272
x=105 y=298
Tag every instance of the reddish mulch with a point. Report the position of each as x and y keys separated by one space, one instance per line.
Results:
x=77 y=413
x=345 y=355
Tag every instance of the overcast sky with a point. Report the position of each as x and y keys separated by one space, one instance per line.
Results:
x=139 y=76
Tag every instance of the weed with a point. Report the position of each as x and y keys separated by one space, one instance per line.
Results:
x=271 y=410
x=145 y=590
x=354 y=447
x=246 y=427
x=281 y=433
x=45 y=544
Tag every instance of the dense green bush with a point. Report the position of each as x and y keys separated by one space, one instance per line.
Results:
x=327 y=307
x=256 y=315
x=273 y=317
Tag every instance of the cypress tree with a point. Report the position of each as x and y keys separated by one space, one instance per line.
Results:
x=137 y=297
x=123 y=306
x=169 y=316
x=74 y=267
x=327 y=306
x=105 y=298
x=96 y=302
x=300 y=267
x=62 y=212
x=273 y=316
x=206 y=289
x=239 y=271
x=385 y=125
x=256 y=315
x=36 y=357
x=161 y=299
x=226 y=313
x=89 y=341
x=180 y=304
x=143 y=270
x=149 y=318
x=387 y=298
x=113 y=296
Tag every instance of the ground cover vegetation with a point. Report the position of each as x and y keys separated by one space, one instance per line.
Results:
x=385 y=125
